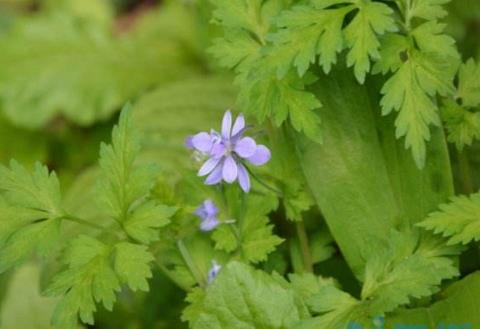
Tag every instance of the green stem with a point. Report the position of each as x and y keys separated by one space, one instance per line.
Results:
x=187 y=258
x=304 y=246
x=267 y=186
x=172 y=277
x=83 y=222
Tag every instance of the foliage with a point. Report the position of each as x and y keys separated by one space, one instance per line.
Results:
x=358 y=213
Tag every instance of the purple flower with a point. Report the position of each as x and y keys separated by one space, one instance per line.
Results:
x=213 y=272
x=208 y=213
x=227 y=153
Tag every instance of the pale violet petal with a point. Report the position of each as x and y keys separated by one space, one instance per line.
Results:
x=227 y=125
x=210 y=208
x=243 y=178
x=189 y=142
x=208 y=166
x=262 y=155
x=246 y=147
x=215 y=176
x=209 y=224
x=230 y=170
x=238 y=125
x=218 y=150
x=202 y=142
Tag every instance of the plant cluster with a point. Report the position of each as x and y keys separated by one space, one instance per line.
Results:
x=325 y=200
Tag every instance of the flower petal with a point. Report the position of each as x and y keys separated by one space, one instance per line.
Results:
x=209 y=224
x=208 y=166
x=230 y=170
x=218 y=150
x=210 y=208
x=262 y=155
x=189 y=142
x=245 y=147
x=227 y=125
x=202 y=142
x=215 y=176
x=238 y=125
x=200 y=212
x=243 y=178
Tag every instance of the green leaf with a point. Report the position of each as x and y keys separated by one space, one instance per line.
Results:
x=339 y=310
x=462 y=125
x=405 y=270
x=308 y=31
x=123 y=182
x=264 y=95
x=31 y=213
x=458 y=220
x=347 y=173
x=24 y=307
x=469 y=84
x=254 y=298
x=132 y=265
x=394 y=275
x=89 y=279
x=252 y=233
x=235 y=49
x=409 y=91
x=361 y=177
x=160 y=115
x=144 y=223
x=372 y=20
x=426 y=9
x=457 y=306
x=76 y=69
x=257 y=238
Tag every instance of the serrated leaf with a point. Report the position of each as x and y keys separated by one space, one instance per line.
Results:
x=308 y=31
x=235 y=49
x=132 y=265
x=251 y=233
x=265 y=95
x=144 y=222
x=426 y=9
x=469 y=84
x=305 y=33
x=89 y=279
x=372 y=20
x=430 y=38
x=257 y=238
x=462 y=125
x=254 y=298
x=458 y=220
x=409 y=91
x=31 y=213
x=405 y=270
x=123 y=182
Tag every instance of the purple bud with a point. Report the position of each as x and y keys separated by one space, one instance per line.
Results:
x=213 y=272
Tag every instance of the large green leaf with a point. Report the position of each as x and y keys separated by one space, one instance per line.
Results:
x=458 y=306
x=363 y=179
